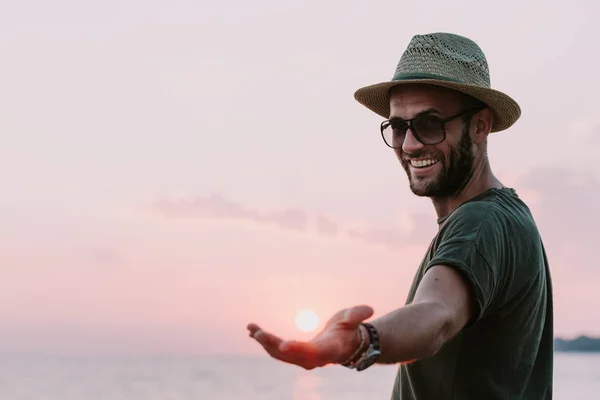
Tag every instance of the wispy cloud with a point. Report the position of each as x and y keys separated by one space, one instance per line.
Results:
x=296 y=219
x=421 y=231
x=98 y=255
x=326 y=226
x=217 y=207
x=563 y=202
x=104 y=255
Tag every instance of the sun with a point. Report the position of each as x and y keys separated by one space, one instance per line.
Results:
x=307 y=320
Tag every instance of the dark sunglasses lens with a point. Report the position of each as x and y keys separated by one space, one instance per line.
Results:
x=394 y=133
x=429 y=129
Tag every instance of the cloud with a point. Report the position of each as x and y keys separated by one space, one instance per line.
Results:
x=421 y=231
x=217 y=207
x=213 y=206
x=563 y=202
x=393 y=235
x=326 y=227
x=386 y=236
x=104 y=255
x=292 y=218
x=98 y=255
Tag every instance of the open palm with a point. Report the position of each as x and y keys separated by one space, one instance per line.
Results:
x=334 y=344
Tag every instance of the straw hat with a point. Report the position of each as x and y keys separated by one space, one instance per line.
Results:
x=448 y=60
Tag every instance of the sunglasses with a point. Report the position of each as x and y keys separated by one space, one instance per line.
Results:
x=427 y=129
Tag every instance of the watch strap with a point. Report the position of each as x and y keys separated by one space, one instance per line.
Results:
x=373 y=336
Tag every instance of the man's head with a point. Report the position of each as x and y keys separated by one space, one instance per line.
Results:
x=440 y=74
x=438 y=153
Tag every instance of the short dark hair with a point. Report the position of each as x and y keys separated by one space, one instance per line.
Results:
x=470 y=102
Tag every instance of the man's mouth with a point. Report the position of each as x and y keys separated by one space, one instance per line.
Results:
x=422 y=163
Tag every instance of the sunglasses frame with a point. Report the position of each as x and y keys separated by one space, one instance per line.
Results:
x=443 y=122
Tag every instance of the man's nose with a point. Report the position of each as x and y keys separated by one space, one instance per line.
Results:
x=411 y=144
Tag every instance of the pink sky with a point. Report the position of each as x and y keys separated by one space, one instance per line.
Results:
x=172 y=171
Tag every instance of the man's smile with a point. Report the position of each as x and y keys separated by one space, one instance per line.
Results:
x=423 y=162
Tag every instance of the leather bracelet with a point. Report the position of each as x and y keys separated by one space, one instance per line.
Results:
x=348 y=362
x=373 y=336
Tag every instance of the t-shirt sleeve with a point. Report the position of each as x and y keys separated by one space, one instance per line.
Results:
x=481 y=275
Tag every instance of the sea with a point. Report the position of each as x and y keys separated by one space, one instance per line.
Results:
x=577 y=376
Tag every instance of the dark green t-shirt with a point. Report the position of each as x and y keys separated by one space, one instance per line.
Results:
x=506 y=351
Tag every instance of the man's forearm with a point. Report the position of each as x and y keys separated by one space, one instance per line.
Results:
x=412 y=332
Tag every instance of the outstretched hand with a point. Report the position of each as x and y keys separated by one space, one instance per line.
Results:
x=334 y=344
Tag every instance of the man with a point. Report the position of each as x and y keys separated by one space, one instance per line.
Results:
x=478 y=321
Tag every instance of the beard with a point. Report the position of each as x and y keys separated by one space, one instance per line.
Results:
x=454 y=174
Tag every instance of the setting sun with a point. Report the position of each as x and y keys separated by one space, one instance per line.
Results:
x=307 y=320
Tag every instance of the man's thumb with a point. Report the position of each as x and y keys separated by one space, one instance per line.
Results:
x=358 y=314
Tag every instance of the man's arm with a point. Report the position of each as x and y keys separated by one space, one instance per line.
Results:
x=442 y=306
x=440 y=309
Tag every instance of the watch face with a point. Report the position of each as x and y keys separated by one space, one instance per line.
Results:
x=368 y=360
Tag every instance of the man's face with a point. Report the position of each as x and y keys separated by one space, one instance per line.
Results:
x=434 y=170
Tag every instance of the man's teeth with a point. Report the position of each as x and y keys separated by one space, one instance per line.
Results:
x=422 y=163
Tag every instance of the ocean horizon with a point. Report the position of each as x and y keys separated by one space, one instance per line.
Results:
x=576 y=376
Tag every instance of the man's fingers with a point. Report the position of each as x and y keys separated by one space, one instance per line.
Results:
x=298 y=353
x=297 y=347
x=275 y=346
x=361 y=313
x=358 y=314
x=253 y=328
x=266 y=339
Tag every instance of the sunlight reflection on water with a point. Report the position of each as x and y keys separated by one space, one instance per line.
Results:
x=306 y=387
x=577 y=376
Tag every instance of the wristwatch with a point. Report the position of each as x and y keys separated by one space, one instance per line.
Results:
x=370 y=355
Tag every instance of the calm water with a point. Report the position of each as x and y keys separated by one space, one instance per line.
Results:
x=577 y=376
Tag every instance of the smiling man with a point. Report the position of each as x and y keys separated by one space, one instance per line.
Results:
x=478 y=319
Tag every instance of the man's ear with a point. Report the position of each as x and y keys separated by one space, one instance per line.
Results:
x=481 y=125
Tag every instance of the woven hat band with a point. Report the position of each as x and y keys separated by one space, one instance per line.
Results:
x=420 y=75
